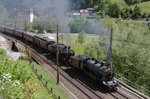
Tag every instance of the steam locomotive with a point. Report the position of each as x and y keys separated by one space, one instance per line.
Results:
x=98 y=71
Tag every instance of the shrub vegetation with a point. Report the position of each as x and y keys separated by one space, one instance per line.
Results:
x=17 y=80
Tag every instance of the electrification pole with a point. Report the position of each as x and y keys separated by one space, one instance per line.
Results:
x=57 y=55
x=62 y=37
x=111 y=36
x=5 y=26
x=25 y=33
x=14 y=28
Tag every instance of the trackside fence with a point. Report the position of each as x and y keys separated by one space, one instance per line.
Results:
x=132 y=84
x=45 y=83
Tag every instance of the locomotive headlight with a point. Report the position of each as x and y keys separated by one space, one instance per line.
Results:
x=115 y=82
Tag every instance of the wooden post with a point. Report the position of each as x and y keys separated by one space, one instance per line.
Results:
x=30 y=62
x=58 y=97
x=51 y=90
x=57 y=55
x=32 y=66
x=46 y=83
x=40 y=77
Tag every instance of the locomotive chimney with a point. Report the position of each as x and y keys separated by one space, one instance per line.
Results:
x=103 y=63
x=96 y=61
x=108 y=64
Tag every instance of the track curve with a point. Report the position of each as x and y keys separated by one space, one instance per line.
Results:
x=79 y=85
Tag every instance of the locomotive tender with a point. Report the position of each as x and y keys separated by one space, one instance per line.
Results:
x=92 y=67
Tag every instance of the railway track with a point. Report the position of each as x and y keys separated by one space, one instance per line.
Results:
x=75 y=82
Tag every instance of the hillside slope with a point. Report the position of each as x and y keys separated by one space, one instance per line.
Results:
x=145 y=7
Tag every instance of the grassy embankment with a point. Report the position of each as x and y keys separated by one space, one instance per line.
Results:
x=21 y=71
x=29 y=85
x=51 y=83
x=145 y=6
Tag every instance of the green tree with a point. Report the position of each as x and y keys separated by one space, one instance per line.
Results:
x=137 y=12
x=103 y=6
x=132 y=60
x=77 y=24
x=95 y=50
x=114 y=10
x=81 y=37
x=42 y=25
x=88 y=27
x=130 y=2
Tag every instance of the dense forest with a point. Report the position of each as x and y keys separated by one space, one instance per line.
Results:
x=114 y=8
x=81 y=4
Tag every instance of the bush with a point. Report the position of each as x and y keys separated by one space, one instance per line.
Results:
x=94 y=51
x=81 y=37
x=11 y=89
x=13 y=76
x=77 y=24
x=131 y=55
x=2 y=52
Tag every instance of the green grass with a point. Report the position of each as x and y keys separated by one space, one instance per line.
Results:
x=145 y=7
x=118 y=1
x=42 y=92
x=51 y=83
x=1 y=95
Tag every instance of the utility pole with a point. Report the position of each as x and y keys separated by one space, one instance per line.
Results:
x=62 y=37
x=57 y=55
x=25 y=29
x=14 y=28
x=5 y=26
x=111 y=36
